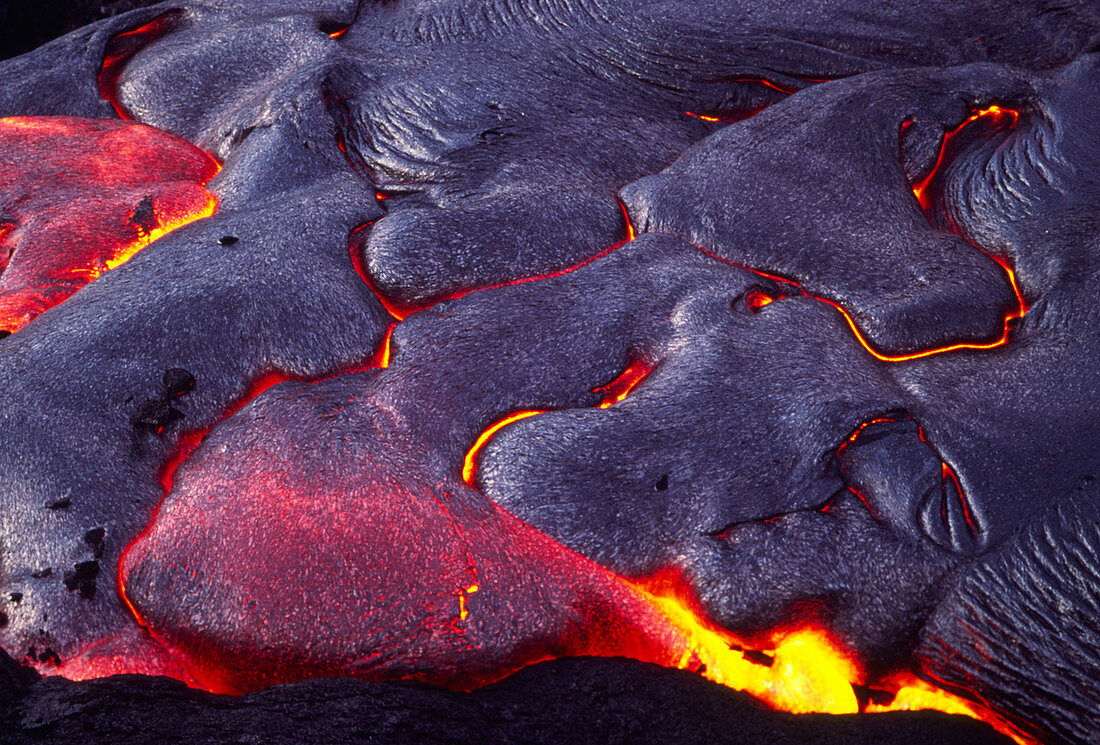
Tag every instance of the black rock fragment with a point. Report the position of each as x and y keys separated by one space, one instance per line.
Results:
x=577 y=701
x=94 y=538
x=82 y=578
x=177 y=382
x=155 y=415
x=143 y=216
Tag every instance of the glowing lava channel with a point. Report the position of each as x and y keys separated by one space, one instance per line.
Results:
x=469 y=463
x=1021 y=310
x=86 y=195
x=994 y=114
x=622 y=386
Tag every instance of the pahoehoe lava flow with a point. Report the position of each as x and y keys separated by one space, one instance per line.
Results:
x=433 y=339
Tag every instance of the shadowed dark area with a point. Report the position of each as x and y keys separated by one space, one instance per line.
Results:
x=571 y=700
x=26 y=24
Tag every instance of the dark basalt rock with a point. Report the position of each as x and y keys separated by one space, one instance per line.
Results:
x=565 y=701
x=481 y=168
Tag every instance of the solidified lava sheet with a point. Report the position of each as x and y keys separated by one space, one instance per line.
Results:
x=430 y=339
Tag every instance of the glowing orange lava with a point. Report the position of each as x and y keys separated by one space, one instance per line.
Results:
x=704 y=117
x=383 y=357
x=1019 y=312
x=87 y=195
x=757 y=300
x=993 y=113
x=120 y=49
x=800 y=669
x=401 y=313
x=628 y=380
x=469 y=464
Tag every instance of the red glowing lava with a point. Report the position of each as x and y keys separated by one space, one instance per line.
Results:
x=156 y=186
x=996 y=115
x=401 y=312
x=628 y=380
x=85 y=195
x=469 y=463
x=121 y=48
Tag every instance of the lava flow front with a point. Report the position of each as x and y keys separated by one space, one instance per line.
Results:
x=81 y=197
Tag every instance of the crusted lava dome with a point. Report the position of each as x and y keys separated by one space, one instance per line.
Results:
x=429 y=340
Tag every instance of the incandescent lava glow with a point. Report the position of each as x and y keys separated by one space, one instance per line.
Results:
x=801 y=669
x=704 y=117
x=757 y=300
x=1010 y=319
x=994 y=114
x=469 y=463
x=173 y=223
x=622 y=386
x=85 y=196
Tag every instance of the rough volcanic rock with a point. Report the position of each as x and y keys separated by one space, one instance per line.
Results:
x=831 y=358
x=576 y=701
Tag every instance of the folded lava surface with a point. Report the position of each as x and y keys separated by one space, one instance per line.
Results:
x=432 y=340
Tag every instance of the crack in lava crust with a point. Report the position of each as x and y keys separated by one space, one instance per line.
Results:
x=737 y=338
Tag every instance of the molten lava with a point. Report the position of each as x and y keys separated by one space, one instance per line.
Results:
x=120 y=49
x=401 y=312
x=801 y=668
x=622 y=386
x=85 y=196
x=995 y=115
x=155 y=184
x=469 y=464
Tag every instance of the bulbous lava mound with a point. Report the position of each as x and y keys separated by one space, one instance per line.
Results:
x=523 y=330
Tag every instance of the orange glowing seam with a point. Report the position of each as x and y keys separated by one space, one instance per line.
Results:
x=129 y=251
x=757 y=299
x=1021 y=310
x=914 y=694
x=995 y=112
x=402 y=313
x=759 y=81
x=949 y=473
x=463 y=609
x=383 y=357
x=704 y=117
x=621 y=387
x=469 y=463
x=339 y=32
x=766 y=84
x=111 y=68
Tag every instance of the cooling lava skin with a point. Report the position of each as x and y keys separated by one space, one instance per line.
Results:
x=497 y=311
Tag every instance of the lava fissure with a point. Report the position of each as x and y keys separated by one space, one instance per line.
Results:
x=402 y=313
x=622 y=386
x=119 y=51
x=1009 y=320
x=995 y=114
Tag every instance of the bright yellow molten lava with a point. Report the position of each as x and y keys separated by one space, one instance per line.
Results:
x=801 y=670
